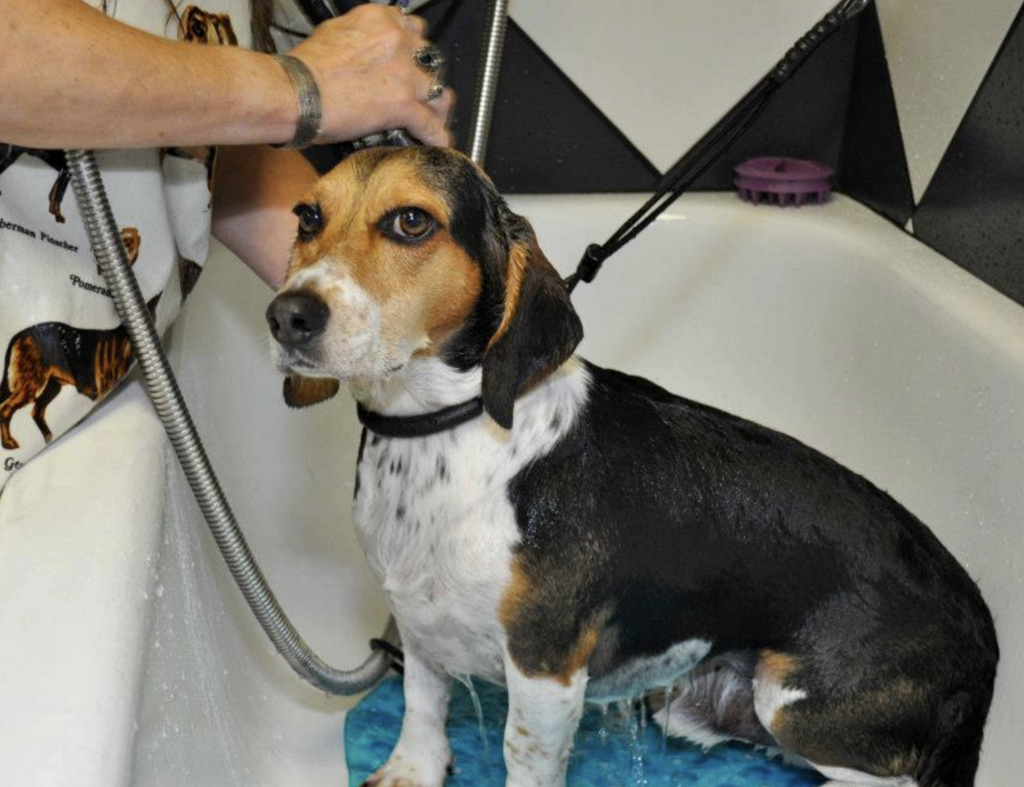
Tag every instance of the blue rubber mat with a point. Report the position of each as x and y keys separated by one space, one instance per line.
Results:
x=613 y=749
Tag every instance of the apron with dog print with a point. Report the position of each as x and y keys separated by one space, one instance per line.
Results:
x=62 y=344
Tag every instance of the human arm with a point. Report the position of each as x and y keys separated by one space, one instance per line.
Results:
x=255 y=189
x=74 y=78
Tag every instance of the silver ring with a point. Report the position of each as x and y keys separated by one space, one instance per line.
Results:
x=403 y=7
x=435 y=91
x=429 y=58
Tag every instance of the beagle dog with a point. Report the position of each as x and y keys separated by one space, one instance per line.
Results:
x=576 y=533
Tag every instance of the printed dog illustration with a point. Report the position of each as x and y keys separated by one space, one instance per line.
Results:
x=43 y=358
x=197 y=26
x=202 y=27
x=132 y=241
x=576 y=533
x=55 y=158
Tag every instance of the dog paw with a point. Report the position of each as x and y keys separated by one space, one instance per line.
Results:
x=401 y=772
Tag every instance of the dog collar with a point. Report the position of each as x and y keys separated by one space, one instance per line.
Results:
x=420 y=425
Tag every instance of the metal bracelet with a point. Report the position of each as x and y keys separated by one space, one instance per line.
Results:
x=307 y=96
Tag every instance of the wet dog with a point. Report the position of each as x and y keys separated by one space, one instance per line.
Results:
x=577 y=533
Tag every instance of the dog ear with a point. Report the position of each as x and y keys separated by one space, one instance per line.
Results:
x=225 y=30
x=539 y=328
x=302 y=391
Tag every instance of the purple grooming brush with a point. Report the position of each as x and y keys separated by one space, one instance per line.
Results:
x=784 y=181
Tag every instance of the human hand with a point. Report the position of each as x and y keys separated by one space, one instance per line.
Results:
x=368 y=81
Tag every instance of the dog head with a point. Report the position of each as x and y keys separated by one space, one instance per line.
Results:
x=202 y=27
x=411 y=252
x=132 y=241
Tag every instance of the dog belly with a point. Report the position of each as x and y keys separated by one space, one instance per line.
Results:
x=648 y=673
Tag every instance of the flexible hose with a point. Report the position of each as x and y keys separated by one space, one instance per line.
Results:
x=163 y=391
x=487 y=79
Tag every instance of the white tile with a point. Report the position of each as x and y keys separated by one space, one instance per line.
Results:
x=939 y=52
x=664 y=71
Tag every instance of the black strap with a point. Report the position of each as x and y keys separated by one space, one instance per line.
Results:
x=395 y=655
x=420 y=425
x=715 y=144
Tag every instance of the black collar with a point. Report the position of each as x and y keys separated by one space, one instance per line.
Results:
x=420 y=425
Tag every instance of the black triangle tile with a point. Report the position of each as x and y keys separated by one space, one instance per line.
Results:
x=973 y=210
x=546 y=135
x=805 y=118
x=873 y=165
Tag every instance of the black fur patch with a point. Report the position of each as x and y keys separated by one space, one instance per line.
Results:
x=359 y=460
x=542 y=334
x=669 y=520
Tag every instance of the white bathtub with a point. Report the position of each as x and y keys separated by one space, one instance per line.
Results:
x=129 y=658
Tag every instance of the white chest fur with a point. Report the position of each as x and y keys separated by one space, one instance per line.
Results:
x=434 y=518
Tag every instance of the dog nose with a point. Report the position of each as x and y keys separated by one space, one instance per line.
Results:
x=297 y=317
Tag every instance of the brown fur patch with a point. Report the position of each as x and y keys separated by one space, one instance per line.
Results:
x=580 y=655
x=302 y=391
x=775 y=666
x=516 y=594
x=518 y=260
x=518 y=600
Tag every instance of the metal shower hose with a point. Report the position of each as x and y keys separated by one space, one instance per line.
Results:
x=163 y=391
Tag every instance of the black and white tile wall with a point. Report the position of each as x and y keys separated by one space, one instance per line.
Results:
x=918 y=106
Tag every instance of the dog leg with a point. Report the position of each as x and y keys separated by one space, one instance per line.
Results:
x=60 y=186
x=422 y=755
x=715 y=703
x=14 y=402
x=39 y=408
x=6 y=439
x=854 y=723
x=543 y=714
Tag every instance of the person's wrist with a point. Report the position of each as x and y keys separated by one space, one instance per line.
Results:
x=309 y=113
x=273 y=112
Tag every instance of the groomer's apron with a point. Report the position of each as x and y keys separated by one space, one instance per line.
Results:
x=62 y=343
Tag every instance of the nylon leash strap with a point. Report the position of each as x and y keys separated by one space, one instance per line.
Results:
x=710 y=148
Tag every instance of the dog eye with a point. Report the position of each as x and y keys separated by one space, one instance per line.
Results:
x=409 y=224
x=310 y=220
